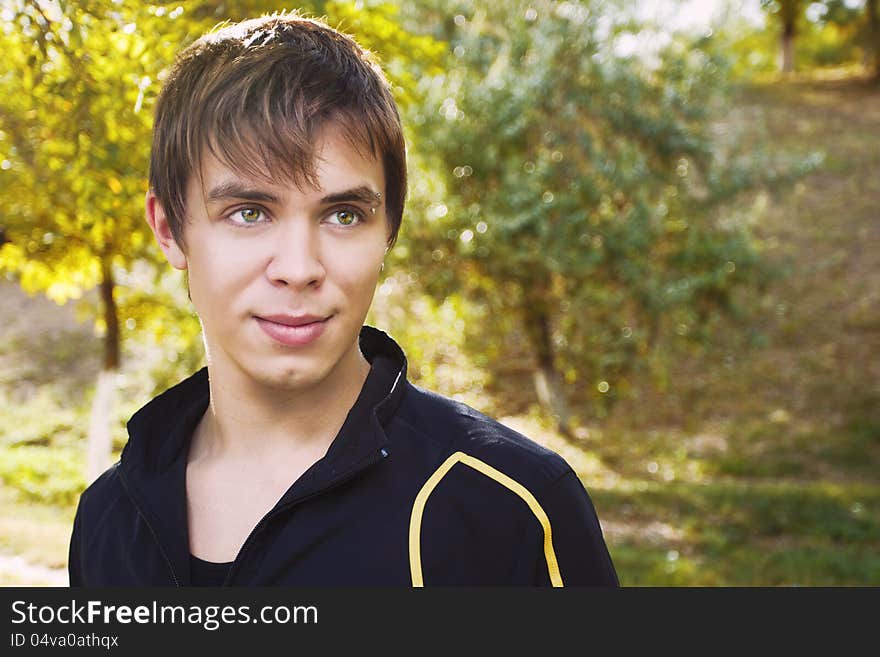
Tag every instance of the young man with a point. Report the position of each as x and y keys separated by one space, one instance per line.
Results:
x=301 y=456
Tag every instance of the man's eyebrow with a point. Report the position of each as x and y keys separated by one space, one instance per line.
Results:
x=363 y=194
x=236 y=190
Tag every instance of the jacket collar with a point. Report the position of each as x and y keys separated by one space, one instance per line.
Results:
x=153 y=461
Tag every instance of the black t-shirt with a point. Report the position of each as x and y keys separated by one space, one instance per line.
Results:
x=207 y=573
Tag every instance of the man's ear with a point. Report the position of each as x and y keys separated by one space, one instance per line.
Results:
x=158 y=221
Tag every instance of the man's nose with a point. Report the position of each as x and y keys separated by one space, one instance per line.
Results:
x=296 y=256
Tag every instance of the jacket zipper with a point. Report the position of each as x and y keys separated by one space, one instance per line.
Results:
x=236 y=565
x=149 y=526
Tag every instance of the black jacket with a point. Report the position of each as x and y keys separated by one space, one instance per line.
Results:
x=416 y=489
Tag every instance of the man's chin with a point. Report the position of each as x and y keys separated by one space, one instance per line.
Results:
x=279 y=376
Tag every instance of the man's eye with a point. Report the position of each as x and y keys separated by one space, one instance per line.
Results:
x=345 y=217
x=247 y=215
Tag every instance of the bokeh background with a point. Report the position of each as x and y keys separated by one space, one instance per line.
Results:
x=645 y=234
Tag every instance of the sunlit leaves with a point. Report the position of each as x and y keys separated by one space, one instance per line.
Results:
x=590 y=172
x=77 y=147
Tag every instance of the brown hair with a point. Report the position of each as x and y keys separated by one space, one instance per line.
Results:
x=257 y=93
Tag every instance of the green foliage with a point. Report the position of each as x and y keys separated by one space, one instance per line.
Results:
x=753 y=52
x=48 y=476
x=827 y=33
x=577 y=186
x=43 y=420
x=433 y=337
x=828 y=44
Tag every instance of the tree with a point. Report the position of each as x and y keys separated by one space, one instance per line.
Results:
x=788 y=13
x=73 y=130
x=863 y=27
x=872 y=13
x=856 y=26
x=578 y=191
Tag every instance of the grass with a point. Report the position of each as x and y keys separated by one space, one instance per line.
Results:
x=741 y=508
x=39 y=533
x=759 y=464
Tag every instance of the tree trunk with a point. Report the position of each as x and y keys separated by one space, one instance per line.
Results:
x=100 y=438
x=874 y=36
x=548 y=383
x=786 y=54
x=111 y=319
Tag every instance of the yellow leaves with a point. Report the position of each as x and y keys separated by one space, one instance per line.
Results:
x=114 y=185
x=112 y=129
x=12 y=257
x=67 y=280
x=35 y=277
x=60 y=280
x=62 y=291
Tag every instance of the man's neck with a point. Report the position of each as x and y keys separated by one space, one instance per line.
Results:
x=253 y=422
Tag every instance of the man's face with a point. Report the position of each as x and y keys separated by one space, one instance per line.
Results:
x=281 y=277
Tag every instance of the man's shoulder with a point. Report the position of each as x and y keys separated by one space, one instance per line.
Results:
x=463 y=434
x=103 y=493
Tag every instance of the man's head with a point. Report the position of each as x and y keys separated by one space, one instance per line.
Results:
x=256 y=96
x=277 y=181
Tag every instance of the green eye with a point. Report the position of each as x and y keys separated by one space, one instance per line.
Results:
x=250 y=215
x=345 y=217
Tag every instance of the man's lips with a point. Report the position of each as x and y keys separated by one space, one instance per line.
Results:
x=293 y=320
x=293 y=331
